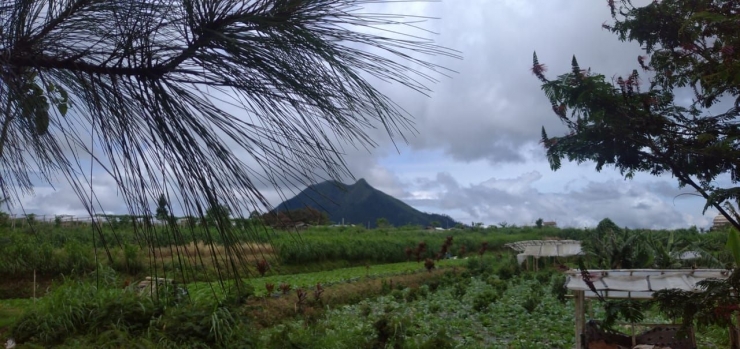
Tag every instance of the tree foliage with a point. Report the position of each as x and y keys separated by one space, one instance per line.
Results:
x=290 y=218
x=637 y=122
x=209 y=100
x=614 y=248
x=162 y=213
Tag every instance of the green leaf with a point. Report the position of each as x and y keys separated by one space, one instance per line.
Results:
x=733 y=244
x=65 y=96
x=62 y=108
x=41 y=121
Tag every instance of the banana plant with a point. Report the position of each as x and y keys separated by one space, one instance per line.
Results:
x=615 y=248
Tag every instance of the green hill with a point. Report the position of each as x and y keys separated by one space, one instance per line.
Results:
x=360 y=204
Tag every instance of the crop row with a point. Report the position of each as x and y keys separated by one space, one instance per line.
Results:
x=327 y=278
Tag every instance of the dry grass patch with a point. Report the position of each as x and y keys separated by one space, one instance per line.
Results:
x=248 y=250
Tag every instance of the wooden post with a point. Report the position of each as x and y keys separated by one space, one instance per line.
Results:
x=735 y=333
x=34 y=284
x=580 y=317
x=634 y=339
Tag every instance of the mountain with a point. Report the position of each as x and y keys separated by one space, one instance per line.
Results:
x=360 y=204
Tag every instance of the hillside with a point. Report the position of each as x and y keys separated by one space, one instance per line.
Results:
x=360 y=204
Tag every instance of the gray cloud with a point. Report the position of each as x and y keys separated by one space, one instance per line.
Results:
x=517 y=201
x=491 y=110
x=493 y=105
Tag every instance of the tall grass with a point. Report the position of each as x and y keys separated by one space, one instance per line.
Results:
x=357 y=245
x=83 y=314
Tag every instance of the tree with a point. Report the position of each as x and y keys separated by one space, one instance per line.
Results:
x=638 y=124
x=614 y=248
x=382 y=223
x=185 y=94
x=691 y=47
x=218 y=215
x=288 y=219
x=162 y=213
x=538 y=222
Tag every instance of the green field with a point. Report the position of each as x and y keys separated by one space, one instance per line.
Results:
x=370 y=295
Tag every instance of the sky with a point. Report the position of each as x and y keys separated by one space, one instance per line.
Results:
x=475 y=155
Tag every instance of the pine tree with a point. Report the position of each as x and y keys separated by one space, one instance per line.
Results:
x=181 y=95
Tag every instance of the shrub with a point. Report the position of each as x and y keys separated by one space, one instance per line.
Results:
x=557 y=287
x=483 y=300
x=500 y=286
x=531 y=301
x=441 y=340
x=543 y=277
x=429 y=264
x=194 y=324
x=509 y=270
x=389 y=332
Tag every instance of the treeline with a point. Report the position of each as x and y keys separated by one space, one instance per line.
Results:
x=288 y=219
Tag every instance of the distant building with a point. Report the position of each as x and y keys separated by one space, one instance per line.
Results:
x=549 y=224
x=720 y=222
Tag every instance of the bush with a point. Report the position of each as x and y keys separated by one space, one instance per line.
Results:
x=509 y=269
x=531 y=301
x=500 y=286
x=543 y=277
x=483 y=300
x=440 y=341
x=481 y=265
x=557 y=287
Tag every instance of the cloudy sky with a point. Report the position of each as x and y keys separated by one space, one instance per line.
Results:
x=476 y=155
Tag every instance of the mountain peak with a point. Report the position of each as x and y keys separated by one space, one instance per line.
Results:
x=360 y=204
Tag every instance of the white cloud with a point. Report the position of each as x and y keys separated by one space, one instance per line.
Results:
x=516 y=200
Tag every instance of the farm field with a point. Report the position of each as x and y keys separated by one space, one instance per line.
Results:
x=353 y=288
x=488 y=304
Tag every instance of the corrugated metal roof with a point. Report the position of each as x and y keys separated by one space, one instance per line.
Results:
x=640 y=283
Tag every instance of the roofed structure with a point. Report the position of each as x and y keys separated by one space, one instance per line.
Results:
x=640 y=283
x=545 y=248
x=635 y=284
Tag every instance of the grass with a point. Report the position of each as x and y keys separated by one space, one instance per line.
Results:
x=248 y=250
x=11 y=310
x=309 y=280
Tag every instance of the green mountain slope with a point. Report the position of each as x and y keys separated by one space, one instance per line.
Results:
x=360 y=204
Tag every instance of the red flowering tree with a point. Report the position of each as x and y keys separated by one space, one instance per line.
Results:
x=636 y=123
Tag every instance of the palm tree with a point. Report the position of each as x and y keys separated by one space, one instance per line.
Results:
x=202 y=101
